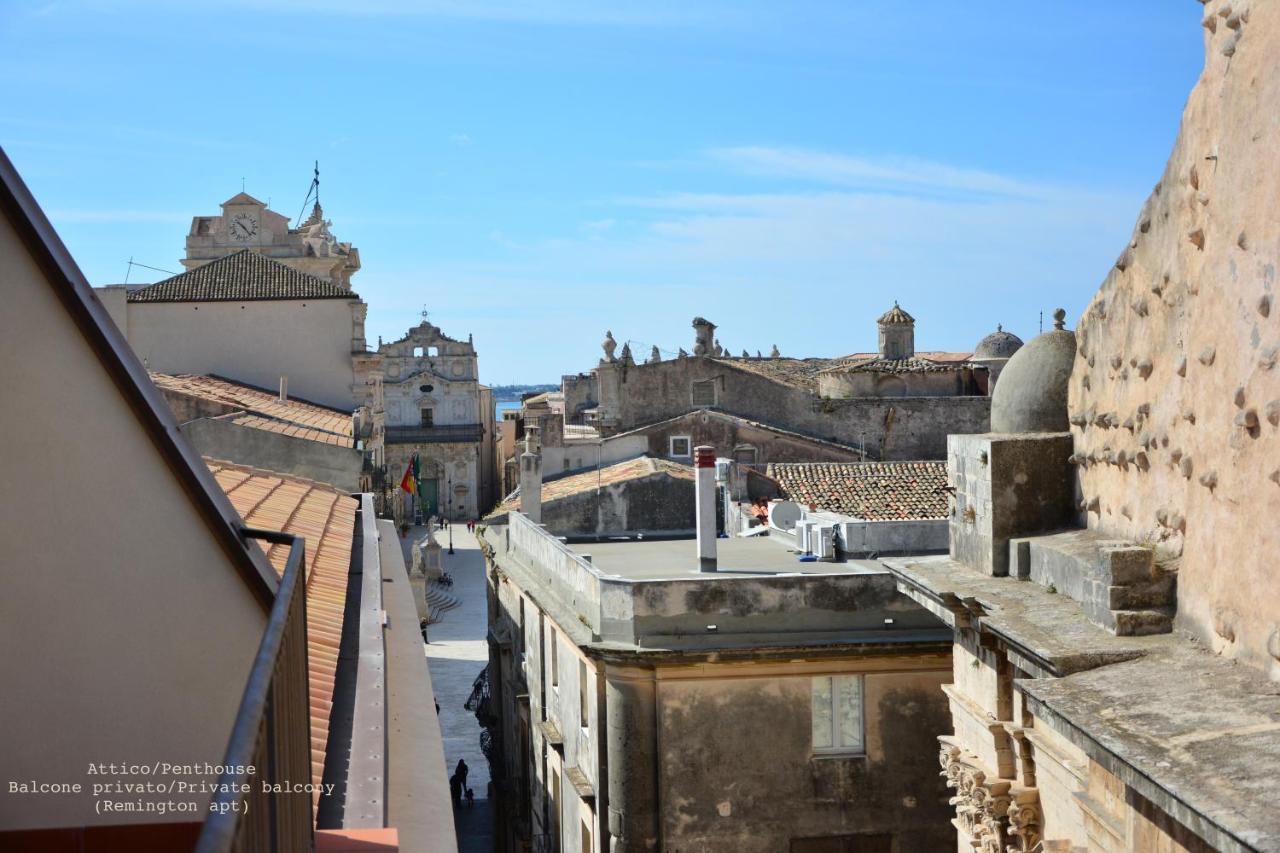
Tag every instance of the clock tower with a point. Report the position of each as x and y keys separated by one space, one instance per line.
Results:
x=247 y=223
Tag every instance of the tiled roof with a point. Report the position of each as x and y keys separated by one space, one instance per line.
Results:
x=326 y=518
x=898 y=365
x=895 y=316
x=241 y=277
x=931 y=355
x=802 y=372
x=610 y=475
x=876 y=491
x=263 y=409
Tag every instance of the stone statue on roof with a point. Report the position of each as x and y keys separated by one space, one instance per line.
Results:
x=774 y=353
x=609 y=345
x=719 y=350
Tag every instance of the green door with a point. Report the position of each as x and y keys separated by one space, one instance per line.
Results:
x=430 y=498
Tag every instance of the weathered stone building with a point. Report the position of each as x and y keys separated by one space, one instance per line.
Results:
x=896 y=403
x=1111 y=583
x=246 y=223
x=436 y=407
x=642 y=705
x=640 y=496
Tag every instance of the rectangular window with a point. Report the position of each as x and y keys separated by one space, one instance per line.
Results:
x=680 y=446
x=428 y=417
x=555 y=809
x=583 y=704
x=704 y=393
x=555 y=659
x=837 y=714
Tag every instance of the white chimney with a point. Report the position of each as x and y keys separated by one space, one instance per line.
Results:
x=704 y=471
x=284 y=389
x=531 y=482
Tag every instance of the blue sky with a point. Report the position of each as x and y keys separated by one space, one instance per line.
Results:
x=538 y=172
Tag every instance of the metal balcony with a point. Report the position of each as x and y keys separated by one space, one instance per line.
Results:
x=272 y=731
x=444 y=434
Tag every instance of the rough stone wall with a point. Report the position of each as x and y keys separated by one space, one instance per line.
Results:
x=653 y=504
x=719 y=796
x=891 y=428
x=1175 y=397
x=867 y=383
x=725 y=435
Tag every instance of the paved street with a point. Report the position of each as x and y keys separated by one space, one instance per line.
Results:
x=456 y=655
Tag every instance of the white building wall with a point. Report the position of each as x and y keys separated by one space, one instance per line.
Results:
x=253 y=342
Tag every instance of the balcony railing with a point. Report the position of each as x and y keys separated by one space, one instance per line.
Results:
x=271 y=733
x=448 y=433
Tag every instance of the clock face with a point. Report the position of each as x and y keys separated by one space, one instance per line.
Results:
x=243 y=227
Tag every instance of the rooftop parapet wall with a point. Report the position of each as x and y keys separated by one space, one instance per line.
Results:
x=849 y=604
x=1175 y=395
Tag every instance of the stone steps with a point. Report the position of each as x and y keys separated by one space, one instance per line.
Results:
x=438 y=601
x=1119 y=585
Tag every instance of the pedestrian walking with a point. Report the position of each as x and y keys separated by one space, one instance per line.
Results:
x=461 y=772
x=455 y=789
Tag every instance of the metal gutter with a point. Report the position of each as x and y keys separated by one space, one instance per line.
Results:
x=366 y=803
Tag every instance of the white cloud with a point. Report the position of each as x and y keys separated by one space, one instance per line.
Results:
x=886 y=174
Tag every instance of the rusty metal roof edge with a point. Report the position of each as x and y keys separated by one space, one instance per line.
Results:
x=131 y=379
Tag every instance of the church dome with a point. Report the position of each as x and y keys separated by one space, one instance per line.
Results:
x=1031 y=395
x=998 y=344
x=895 y=316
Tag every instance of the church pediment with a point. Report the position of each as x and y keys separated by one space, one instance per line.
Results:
x=243 y=198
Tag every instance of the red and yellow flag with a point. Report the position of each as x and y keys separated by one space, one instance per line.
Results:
x=408 y=481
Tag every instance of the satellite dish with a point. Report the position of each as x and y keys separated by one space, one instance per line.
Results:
x=784 y=514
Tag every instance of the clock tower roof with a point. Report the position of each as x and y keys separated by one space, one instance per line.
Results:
x=243 y=198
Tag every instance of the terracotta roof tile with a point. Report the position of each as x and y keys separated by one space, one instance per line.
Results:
x=245 y=276
x=262 y=409
x=326 y=518
x=876 y=491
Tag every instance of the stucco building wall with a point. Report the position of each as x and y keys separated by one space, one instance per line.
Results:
x=255 y=343
x=718 y=795
x=89 y=575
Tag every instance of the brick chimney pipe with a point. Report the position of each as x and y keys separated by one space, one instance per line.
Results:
x=704 y=469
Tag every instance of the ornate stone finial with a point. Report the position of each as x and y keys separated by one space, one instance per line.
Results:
x=609 y=345
x=775 y=353
x=654 y=355
x=626 y=354
x=1059 y=318
x=682 y=353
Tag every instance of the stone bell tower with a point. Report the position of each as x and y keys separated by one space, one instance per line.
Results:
x=897 y=334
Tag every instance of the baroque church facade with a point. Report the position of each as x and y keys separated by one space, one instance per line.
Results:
x=272 y=306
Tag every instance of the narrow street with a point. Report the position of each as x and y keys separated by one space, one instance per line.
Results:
x=456 y=654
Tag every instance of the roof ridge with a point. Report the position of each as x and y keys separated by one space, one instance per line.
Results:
x=267 y=472
x=225 y=279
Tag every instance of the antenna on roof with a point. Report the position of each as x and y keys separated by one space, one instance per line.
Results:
x=313 y=192
x=133 y=263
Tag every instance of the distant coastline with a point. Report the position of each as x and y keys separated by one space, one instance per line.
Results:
x=512 y=393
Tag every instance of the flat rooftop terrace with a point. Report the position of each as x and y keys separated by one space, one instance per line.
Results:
x=675 y=559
